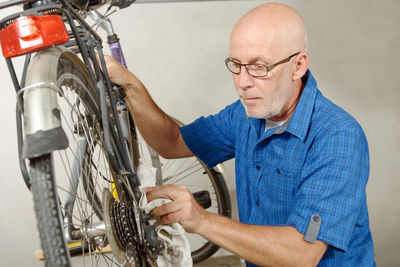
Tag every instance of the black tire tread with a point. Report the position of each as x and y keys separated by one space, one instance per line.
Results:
x=46 y=208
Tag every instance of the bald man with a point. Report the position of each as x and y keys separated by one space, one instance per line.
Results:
x=302 y=162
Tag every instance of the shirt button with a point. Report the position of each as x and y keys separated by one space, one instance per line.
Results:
x=257 y=203
x=258 y=167
x=278 y=170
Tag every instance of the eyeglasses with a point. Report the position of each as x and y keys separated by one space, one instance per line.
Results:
x=255 y=70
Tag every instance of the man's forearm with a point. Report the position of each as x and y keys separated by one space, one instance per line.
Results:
x=156 y=127
x=159 y=131
x=262 y=245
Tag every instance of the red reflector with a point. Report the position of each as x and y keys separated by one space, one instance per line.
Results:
x=29 y=34
x=26 y=27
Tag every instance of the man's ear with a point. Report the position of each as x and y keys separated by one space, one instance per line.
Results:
x=301 y=65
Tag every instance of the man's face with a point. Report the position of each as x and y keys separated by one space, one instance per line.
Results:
x=262 y=97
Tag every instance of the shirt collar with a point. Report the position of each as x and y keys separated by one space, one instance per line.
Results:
x=301 y=117
x=299 y=122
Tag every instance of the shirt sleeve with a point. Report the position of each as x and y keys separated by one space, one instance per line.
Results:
x=333 y=185
x=212 y=139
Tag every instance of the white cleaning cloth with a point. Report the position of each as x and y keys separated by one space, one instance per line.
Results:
x=177 y=249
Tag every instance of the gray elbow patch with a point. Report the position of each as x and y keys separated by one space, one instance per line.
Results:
x=313 y=228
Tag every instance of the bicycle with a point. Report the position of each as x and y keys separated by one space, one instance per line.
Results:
x=81 y=143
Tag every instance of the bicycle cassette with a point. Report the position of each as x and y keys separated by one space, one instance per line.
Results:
x=121 y=232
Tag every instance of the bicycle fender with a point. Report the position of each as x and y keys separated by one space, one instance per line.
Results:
x=42 y=120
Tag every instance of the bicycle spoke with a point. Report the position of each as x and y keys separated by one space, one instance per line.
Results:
x=178 y=179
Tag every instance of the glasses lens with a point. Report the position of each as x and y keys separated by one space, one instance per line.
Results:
x=233 y=66
x=257 y=70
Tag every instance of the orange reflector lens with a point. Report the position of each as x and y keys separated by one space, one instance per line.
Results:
x=30 y=33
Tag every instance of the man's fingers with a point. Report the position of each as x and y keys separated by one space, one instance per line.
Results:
x=182 y=209
x=171 y=218
x=172 y=192
x=166 y=209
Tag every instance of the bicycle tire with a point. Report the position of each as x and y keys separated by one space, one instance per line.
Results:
x=46 y=205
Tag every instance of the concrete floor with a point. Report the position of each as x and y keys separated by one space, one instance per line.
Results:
x=221 y=261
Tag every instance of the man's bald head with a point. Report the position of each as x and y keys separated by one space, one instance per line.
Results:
x=266 y=35
x=276 y=25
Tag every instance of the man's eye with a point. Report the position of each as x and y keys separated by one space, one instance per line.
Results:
x=257 y=67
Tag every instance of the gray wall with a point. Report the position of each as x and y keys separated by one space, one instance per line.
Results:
x=178 y=49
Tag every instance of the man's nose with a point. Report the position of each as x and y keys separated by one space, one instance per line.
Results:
x=245 y=79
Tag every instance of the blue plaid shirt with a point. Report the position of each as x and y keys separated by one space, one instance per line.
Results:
x=316 y=163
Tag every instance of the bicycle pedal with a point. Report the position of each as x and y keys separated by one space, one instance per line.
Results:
x=203 y=198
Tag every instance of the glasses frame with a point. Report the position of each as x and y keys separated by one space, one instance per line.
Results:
x=267 y=68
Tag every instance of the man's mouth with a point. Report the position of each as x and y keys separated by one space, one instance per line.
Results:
x=249 y=100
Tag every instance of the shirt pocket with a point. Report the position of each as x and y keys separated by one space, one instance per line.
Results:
x=277 y=186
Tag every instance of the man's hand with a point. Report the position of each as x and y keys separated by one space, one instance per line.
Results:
x=119 y=74
x=259 y=244
x=183 y=208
